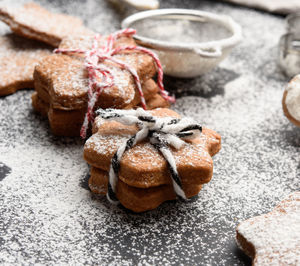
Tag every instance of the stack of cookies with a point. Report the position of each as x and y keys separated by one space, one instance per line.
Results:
x=144 y=174
x=61 y=83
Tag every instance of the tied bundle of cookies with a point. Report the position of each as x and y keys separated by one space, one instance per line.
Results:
x=143 y=158
x=20 y=51
x=92 y=71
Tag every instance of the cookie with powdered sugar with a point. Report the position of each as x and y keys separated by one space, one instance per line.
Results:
x=69 y=122
x=34 y=22
x=64 y=78
x=273 y=238
x=18 y=58
x=291 y=101
x=144 y=180
x=63 y=81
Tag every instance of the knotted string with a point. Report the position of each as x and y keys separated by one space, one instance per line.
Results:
x=162 y=132
x=94 y=59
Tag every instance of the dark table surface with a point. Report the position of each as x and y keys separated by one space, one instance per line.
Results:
x=48 y=215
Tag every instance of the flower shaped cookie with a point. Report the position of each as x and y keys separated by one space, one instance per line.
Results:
x=145 y=178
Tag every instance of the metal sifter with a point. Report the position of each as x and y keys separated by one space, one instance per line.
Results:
x=188 y=42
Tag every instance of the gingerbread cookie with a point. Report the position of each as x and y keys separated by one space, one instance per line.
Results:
x=69 y=122
x=65 y=80
x=291 y=101
x=273 y=238
x=34 y=22
x=18 y=58
x=144 y=158
x=95 y=71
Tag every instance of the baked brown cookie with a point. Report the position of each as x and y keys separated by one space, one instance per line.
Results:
x=69 y=122
x=273 y=238
x=18 y=58
x=62 y=82
x=34 y=22
x=144 y=170
x=291 y=101
x=65 y=79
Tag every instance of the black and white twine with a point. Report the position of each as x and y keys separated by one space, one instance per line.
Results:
x=161 y=132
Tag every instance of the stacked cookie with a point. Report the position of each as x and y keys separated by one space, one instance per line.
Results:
x=144 y=174
x=61 y=84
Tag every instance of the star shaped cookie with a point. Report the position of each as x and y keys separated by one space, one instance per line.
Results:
x=62 y=80
x=273 y=238
x=18 y=58
x=34 y=22
x=61 y=84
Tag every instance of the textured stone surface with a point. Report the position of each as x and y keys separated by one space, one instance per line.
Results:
x=47 y=215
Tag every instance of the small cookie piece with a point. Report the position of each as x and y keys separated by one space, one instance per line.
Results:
x=18 y=58
x=143 y=169
x=291 y=101
x=34 y=22
x=273 y=238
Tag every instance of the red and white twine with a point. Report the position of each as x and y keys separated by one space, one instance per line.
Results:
x=94 y=59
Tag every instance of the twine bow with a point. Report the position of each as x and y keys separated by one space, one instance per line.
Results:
x=94 y=59
x=162 y=132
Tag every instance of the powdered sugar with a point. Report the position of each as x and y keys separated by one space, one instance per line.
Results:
x=105 y=145
x=69 y=79
x=121 y=81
